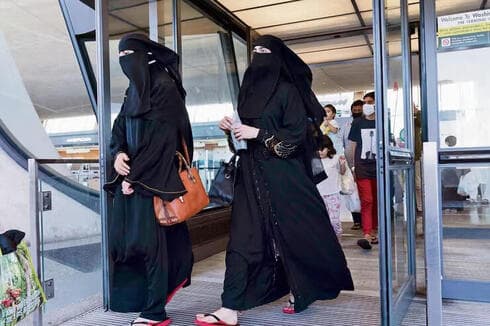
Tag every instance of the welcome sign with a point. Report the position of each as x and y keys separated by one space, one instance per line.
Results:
x=464 y=30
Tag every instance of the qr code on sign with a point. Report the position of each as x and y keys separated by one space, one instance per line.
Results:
x=446 y=42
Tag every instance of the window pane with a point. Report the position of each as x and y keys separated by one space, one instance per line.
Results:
x=466 y=222
x=241 y=54
x=208 y=92
x=394 y=101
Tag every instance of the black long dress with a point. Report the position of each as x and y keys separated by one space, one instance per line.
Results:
x=149 y=261
x=281 y=237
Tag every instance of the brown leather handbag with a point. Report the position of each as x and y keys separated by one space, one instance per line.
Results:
x=184 y=207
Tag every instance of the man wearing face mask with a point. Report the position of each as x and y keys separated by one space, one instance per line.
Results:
x=363 y=151
x=356 y=112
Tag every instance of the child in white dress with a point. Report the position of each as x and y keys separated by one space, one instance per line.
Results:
x=329 y=188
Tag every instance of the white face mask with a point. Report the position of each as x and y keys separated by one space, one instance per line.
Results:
x=368 y=109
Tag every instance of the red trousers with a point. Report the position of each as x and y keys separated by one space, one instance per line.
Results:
x=368 y=193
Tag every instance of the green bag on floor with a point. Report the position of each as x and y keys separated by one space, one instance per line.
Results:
x=20 y=290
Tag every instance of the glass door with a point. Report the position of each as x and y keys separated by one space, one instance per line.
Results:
x=460 y=123
x=396 y=168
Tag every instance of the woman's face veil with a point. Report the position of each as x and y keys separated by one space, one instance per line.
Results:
x=139 y=50
x=265 y=72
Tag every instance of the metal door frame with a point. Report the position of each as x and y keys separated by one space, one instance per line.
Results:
x=389 y=159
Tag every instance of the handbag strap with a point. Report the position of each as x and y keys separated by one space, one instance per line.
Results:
x=186 y=151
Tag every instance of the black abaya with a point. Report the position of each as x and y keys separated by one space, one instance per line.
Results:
x=281 y=237
x=149 y=261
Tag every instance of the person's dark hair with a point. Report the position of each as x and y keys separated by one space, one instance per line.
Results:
x=326 y=142
x=370 y=94
x=357 y=103
x=332 y=108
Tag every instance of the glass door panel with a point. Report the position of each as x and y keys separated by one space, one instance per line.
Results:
x=399 y=229
x=464 y=151
x=394 y=67
x=465 y=193
x=463 y=98
x=396 y=182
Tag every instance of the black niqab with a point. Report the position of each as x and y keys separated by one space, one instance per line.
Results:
x=266 y=71
x=137 y=104
x=261 y=79
x=137 y=68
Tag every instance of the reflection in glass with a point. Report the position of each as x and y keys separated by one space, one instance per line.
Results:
x=241 y=53
x=463 y=98
x=466 y=222
x=394 y=102
x=207 y=81
x=399 y=225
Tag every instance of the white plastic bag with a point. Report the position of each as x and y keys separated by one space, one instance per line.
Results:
x=353 y=202
x=347 y=184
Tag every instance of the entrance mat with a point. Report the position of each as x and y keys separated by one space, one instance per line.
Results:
x=84 y=258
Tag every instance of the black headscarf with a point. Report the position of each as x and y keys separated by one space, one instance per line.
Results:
x=135 y=66
x=261 y=79
x=267 y=70
x=168 y=104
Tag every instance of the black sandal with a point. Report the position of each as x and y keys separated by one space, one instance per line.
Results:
x=364 y=244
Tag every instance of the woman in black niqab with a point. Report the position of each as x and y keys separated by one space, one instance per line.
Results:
x=281 y=239
x=149 y=262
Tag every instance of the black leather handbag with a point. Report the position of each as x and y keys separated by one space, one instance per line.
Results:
x=222 y=187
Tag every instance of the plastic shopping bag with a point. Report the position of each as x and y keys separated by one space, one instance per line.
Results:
x=347 y=183
x=20 y=290
x=353 y=202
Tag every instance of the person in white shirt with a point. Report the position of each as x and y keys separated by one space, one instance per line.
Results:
x=329 y=188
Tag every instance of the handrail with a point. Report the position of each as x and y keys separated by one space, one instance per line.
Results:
x=20 y=155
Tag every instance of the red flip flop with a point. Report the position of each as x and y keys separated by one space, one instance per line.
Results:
x=218 y=321
x=177 y=289
x=166 y=322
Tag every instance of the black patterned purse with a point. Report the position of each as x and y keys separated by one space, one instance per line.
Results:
x=222 y=187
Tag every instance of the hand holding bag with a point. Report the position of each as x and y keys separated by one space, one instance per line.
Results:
x=184 y=207
x=222 y=188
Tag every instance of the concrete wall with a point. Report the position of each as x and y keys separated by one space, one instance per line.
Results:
x=68 y=219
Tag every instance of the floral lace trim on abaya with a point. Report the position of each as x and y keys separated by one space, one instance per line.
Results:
x=280 y=148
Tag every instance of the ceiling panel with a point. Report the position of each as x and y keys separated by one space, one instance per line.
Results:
x=448 y=7
x=121 y=4
x=328 y=44
x=188 y=12
x=294 y=12
x=244 y=4
x=336 y=55
x=320 y=25
x=135 y=15
x=343 y=77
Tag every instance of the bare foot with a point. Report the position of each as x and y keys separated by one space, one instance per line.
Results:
x=226 y=315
